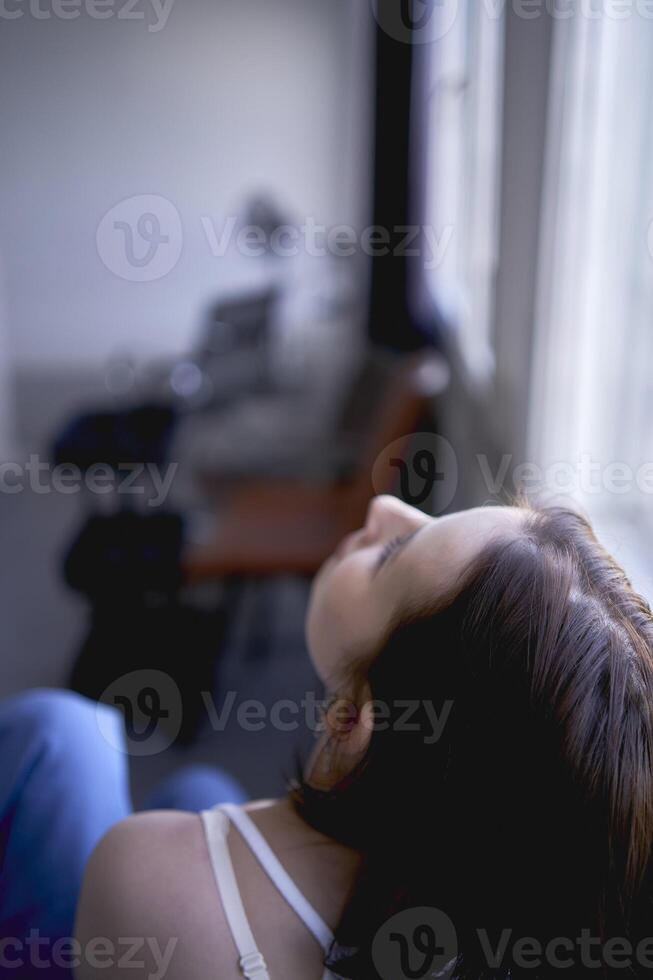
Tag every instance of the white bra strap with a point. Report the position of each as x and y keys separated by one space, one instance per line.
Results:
x=278 y=874
x=216 y=828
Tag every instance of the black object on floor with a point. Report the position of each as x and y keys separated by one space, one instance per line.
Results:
x=138 y=435
x=128 y=566
x=170 y=639
x=126 y=554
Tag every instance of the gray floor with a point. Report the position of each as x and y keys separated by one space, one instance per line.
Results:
x=44 y=623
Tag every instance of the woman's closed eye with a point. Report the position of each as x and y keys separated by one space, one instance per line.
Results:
x=390 y=548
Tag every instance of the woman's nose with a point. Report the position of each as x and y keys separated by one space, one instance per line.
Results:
x=388 y=516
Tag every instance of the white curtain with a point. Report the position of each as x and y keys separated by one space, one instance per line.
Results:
x=592 y=396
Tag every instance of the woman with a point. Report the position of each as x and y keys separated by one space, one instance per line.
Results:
x=481 y=802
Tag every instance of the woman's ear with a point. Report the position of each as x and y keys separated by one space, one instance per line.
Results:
x=347 y=732
x=364 y=726
x=349 y=725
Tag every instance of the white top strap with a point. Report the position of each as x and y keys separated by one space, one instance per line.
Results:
x=216 y=828
x=278 y=874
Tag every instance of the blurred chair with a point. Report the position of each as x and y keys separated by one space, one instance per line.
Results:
x=318 y=434
x=231 y=358
x=268 y=527
x=233 y=352
x=229 y=362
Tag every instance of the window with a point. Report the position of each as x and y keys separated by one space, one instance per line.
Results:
x=592 y=404
x=464 y=93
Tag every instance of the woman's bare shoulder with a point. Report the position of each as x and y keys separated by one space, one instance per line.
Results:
x=149 y=878
x=144 y=850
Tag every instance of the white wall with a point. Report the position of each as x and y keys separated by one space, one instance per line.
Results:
x=229 y=97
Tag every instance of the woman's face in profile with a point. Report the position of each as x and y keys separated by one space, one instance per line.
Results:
x=399 y=561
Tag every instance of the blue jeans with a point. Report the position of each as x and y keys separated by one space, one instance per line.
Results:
x=63 y=784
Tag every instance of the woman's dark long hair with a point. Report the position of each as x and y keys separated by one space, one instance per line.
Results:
x=531 y=815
